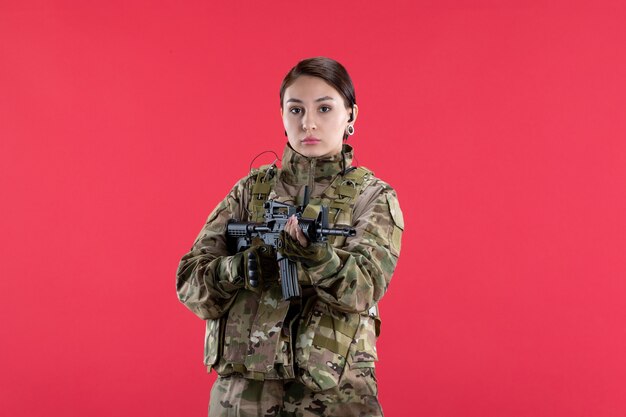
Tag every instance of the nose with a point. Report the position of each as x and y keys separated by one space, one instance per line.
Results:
x=308 y=121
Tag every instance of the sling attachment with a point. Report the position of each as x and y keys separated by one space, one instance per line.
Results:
x=263 y=185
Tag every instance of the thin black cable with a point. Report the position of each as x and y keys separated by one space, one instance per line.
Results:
x=344 y=171
x=254 y=159
x=250 y=171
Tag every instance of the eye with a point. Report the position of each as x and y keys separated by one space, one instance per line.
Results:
x=325 y=109
x=295 y=110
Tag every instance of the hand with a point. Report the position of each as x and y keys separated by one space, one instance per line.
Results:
x=260 y=266
x=311 y=255
x=293 y=230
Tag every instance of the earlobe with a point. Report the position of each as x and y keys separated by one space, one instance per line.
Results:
x=351 y=119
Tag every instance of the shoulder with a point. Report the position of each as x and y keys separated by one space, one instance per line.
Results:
x=240 y=187
x=374 y=186
x=377 y=194
x=379 y=210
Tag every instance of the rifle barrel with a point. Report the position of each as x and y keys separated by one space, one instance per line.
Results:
x=344 y=231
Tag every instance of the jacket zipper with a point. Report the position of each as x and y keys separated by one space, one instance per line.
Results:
x=311 y=176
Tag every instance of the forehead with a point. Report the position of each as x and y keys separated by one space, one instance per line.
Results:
x=308 y=87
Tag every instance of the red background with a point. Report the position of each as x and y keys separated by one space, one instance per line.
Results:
x=122 y=124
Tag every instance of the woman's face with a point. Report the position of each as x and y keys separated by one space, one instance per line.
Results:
x=315 y=117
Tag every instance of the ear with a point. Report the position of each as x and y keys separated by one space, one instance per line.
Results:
x=355 y=113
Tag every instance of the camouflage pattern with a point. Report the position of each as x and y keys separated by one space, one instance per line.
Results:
x=312 y=255
x=356 y=396
x=314 y=344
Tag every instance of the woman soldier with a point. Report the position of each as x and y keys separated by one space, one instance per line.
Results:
x=311 y=355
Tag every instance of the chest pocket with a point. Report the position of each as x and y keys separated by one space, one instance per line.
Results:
x=339 y=197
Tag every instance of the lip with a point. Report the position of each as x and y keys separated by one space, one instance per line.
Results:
x=310 y=140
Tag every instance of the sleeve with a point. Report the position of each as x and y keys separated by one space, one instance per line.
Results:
x=355 y=277
x=208 y=278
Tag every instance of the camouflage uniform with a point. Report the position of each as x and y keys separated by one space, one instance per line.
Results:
x=315 y=355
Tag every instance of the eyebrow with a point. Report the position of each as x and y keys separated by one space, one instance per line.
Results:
x=318 y=100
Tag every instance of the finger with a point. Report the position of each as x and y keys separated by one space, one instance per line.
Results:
x=301 y=238
x=293 y=226
x=298 y=234
x=288 y=228
x=294 y=233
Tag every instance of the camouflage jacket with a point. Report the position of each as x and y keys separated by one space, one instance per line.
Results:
x=335 y=324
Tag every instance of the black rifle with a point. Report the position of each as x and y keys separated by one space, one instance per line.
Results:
x=240 y=235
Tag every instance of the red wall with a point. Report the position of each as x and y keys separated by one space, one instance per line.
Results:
x=122 y=124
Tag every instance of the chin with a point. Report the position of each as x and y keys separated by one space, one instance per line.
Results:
x=311 y=153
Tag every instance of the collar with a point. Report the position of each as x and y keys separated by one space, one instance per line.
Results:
x=297 y=168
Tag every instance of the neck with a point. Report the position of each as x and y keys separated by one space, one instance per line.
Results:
x=302 y=170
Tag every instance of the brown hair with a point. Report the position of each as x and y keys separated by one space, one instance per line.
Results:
x=328 y=70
